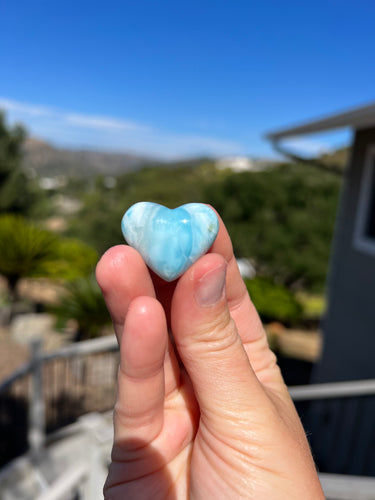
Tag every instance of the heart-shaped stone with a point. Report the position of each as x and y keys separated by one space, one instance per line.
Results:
x=170 y=241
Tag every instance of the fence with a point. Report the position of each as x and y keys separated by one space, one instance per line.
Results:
x=53 y=390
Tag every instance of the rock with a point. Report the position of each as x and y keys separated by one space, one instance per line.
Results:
x=170 y=241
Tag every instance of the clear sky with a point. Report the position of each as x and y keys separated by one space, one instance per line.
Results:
x=179 y=78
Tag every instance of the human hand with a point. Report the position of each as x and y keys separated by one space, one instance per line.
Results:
x=202 y=412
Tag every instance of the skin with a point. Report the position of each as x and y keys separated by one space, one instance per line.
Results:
x=202 y=409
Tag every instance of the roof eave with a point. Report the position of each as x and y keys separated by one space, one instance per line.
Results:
x=360 y=117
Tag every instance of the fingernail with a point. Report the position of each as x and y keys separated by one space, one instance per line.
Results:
x=210 y=287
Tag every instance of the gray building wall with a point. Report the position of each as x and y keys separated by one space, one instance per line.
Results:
x=349 y=326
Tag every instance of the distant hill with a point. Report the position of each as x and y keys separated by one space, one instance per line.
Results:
x=47 y=160
x=338 y=158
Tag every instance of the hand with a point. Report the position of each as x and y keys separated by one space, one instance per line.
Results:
x=202 y=412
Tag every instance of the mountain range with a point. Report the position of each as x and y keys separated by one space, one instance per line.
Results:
x=44 y=159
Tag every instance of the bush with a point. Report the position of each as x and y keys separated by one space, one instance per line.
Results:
x=74 y=259
x=24 y=250
x=274 y=302
x=83 y=302
x=282 y=219
x=28 y=251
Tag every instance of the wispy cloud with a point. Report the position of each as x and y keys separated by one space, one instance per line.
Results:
x=307 y=146
x=69 y=128
x=23 y=108
x=101 y=122
x=75 y=119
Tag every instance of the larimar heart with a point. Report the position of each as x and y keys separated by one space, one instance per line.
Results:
x=170 y=241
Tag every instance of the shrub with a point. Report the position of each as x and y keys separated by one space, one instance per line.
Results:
x=24 y=250
x=74 y=259
x=83 y=302
x=274 y=302
x=29 y=251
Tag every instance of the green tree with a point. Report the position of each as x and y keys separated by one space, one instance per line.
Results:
x=98 y=223
x=29 y=251
x=24 y=251
x=16 y=193
x=282 y=219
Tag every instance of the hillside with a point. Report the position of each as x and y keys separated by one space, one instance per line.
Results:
x=47 y=160
x=338 y=158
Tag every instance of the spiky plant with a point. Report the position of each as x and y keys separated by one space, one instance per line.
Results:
x=24 y=251
x=83 y=302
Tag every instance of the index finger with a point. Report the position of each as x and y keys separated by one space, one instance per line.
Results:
x=122 y=276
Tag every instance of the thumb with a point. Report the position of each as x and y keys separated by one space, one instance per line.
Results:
x=208 y=342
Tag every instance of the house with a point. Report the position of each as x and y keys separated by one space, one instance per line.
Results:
x=236 y=164
x=349 y=325
x=339 y=416
x=244 y=164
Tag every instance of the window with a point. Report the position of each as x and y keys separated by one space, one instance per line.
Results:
x=364 y=236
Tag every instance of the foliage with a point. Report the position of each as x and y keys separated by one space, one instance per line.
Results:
x=338 y=158
x=73 y=260
x=16 y=192
x=24 y=250
x=98 y=223
x=29 y=251
x=314 y=306
x=274 y=302
x=83 y=302
x=281 y=218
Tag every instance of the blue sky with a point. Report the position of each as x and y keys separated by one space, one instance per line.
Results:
x=183 y=78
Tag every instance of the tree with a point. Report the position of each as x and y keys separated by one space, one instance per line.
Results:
x=98 y=222
x=16 y=194
x=282 y=219
x=29 y=251
x=24 y=250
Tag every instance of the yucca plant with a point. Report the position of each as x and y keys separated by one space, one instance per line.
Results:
x=24 y=251
x=83 y=302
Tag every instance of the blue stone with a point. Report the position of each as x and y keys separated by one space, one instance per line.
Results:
x=170 y=241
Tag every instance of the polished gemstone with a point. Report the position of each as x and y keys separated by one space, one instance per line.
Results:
x=170 y=241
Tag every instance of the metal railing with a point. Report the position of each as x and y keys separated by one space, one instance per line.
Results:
x=53 y=390
x=353 y=388
x=339 y=419
x=56 y=388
